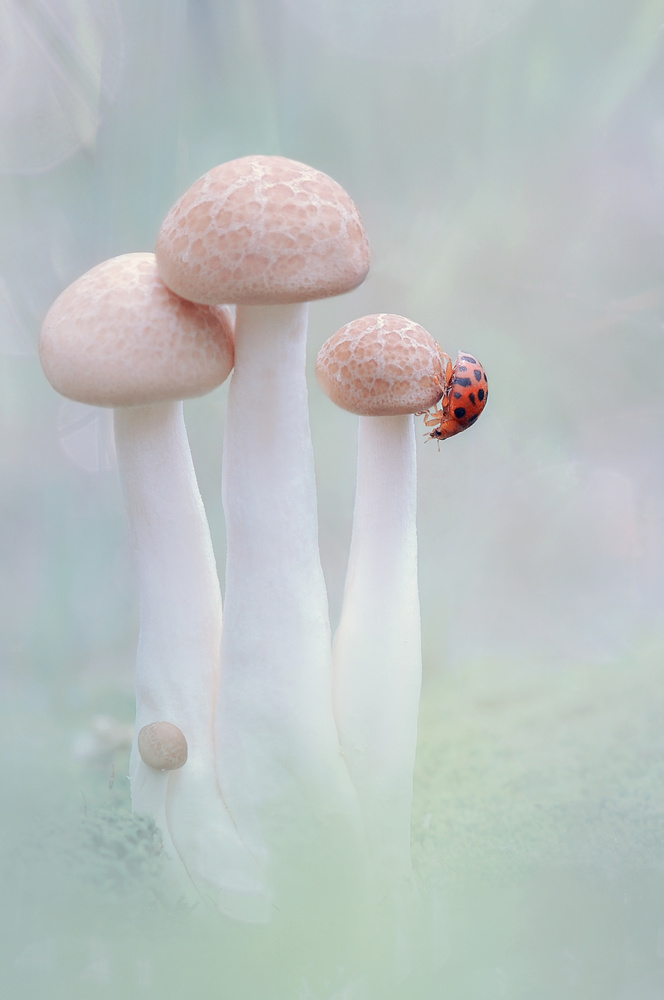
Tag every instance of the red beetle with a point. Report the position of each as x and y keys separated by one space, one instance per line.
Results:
x=464 y=397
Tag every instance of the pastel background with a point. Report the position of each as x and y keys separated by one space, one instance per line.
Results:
x=508 y=160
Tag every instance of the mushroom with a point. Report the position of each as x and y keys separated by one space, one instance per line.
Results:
x=384 y=368
x=269 y=234
x=117 y=337
x=162 y=746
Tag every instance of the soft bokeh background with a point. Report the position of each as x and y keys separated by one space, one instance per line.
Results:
x=508 y=159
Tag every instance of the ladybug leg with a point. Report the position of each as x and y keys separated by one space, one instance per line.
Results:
x=447 y=371
x=447 y=362
x=435 y=415
x=433 y=418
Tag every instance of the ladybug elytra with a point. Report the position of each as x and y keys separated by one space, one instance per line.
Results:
x=464 y=397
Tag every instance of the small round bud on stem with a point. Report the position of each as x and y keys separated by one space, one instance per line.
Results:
x=162 y=746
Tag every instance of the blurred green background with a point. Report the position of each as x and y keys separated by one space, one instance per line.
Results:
x=508 y=159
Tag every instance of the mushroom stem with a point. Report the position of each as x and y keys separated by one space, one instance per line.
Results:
x=377 y=646
x=178 y=653
x=279 y=762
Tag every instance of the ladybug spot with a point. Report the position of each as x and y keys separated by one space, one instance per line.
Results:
x=458 y=395
x=480 y=394
x=472 y=398
x=473 y=419
x=462 y=381
x=460 y=412
x=478 y=374
x=469 y=358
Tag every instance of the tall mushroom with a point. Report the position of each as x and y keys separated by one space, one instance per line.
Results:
x=118 y=337
x=270 y=234
x=384 y=368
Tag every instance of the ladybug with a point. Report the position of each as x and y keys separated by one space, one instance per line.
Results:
x=464 y=397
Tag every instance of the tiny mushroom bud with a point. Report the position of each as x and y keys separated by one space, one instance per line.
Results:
x=384 y=368
x=118 y=337
x=162 y=746
x=269 y=234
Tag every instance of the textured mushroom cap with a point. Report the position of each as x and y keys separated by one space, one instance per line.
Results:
x=381 y=365
x=162 y=746
x=118 y=337
x=263 y=230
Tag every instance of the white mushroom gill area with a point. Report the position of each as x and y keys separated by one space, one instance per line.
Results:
x=265 y=229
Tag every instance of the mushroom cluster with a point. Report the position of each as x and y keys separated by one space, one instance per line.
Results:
x=276 y=762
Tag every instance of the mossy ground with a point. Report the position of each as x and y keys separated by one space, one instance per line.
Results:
x=538 y=842
x=519 y=768
x=539 y=822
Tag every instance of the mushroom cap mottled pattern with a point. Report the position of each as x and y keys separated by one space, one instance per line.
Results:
x=118 y=337
x=381 y=365
x=163 y=746
x=263 y=230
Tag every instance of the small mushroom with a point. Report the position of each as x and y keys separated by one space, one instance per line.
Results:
x=270 y=234
x=384 y=368
x=118 y=337
x=162 y=746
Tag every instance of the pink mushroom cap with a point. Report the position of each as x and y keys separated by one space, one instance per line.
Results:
x=263 y=230
x=118 y=337
x=382 y=365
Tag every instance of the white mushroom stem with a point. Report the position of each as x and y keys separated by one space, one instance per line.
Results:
x=178 y=653
x=377 y=646
x=279 y=762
